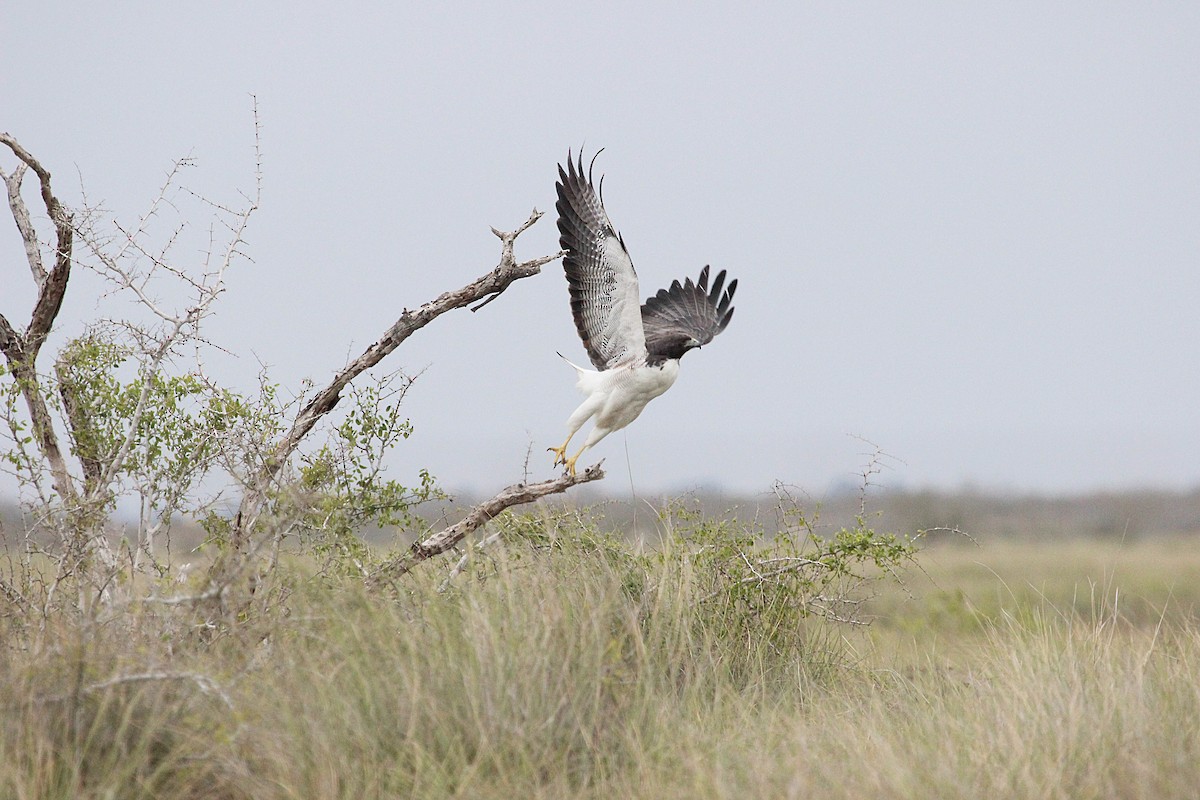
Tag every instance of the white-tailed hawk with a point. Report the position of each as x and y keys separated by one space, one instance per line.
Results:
x=635 y=347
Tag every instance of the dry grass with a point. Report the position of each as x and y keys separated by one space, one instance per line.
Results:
x=1057 y=670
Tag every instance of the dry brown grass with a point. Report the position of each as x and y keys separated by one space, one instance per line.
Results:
x=552 y=678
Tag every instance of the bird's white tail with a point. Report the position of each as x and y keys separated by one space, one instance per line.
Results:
x=588 y=380
x=578 y=368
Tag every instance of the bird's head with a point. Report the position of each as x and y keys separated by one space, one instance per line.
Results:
x=675 y=345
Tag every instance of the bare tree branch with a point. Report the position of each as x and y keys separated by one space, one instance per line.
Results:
x=461 y=565
x=49 y=301
x=54 y=285
x=10 y=341
x=33 y=252
x=491 y=284
x=440 y=542
x=22 y=350
x=205 y=684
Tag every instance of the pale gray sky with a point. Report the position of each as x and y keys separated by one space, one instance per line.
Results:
x=969 y=232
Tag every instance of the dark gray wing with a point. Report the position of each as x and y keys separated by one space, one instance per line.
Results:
x=685 y=312
x=604 y=287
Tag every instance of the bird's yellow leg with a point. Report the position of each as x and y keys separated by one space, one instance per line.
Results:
x=560 y=453
x=569 y=463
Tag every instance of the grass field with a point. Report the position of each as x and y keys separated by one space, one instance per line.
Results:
x=1000 y=670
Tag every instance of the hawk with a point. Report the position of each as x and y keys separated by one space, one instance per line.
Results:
x=635 y=348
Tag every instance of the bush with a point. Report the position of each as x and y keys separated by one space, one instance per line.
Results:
x=739 y=596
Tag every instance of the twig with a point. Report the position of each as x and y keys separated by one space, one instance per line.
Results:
x=466 y=559
x=205 y=684
x=194 y=599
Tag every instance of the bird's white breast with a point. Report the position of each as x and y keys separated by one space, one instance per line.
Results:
x=628 y=389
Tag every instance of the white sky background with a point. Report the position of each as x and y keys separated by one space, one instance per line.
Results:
x=967 y=232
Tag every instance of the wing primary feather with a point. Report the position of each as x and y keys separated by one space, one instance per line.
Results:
x=728 y=298
x=591 y=166
x=715 y=294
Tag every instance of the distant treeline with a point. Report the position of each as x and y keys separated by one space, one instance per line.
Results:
x=981 y=515
x=1130 y=514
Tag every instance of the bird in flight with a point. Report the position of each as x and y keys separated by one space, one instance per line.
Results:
x=635 y=348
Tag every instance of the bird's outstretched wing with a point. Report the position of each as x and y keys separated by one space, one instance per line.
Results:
x=686 y=311
x=604 y=286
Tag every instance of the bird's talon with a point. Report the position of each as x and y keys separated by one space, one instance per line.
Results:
x=560 y=454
